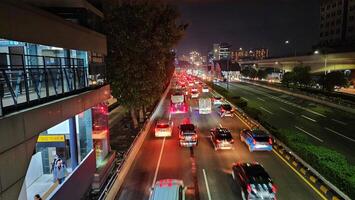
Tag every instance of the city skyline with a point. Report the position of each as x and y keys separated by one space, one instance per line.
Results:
x=234 y=22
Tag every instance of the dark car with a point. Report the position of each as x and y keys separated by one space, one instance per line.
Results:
x=187 y=135
x=254 y=181
x=221 y=138
x=256 y=140
x=226 y=110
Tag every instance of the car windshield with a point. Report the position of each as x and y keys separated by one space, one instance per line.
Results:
x=224 y=135
x=262 y=139
x=187 y=128
x=217 y=98
x=227 y=107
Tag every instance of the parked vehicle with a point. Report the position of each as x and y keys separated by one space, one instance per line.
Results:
x=194 y=94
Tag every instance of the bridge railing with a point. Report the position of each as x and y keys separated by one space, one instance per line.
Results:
x=28 y=78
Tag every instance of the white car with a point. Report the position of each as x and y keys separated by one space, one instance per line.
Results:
x=171 y=189
x=205 y=89
x=163 y=128
x=194 y=89
x=217 y=101
x=194 y=94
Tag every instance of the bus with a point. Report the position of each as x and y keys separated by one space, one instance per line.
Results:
x=178 y=103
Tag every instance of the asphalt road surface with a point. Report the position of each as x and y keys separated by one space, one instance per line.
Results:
x=161 y=158
x=322 y=124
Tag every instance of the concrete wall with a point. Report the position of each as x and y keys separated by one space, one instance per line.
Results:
x=28 y=24
x=19 y=132
x=80 y=179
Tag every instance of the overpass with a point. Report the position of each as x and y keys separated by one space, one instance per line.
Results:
x=317 y=62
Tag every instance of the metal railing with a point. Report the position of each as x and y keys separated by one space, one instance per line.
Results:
x=27 y=78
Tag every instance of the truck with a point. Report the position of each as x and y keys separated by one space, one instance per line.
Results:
x=204 y=104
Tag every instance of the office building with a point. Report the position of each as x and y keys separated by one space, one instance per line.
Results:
x=337 y=24
x=49 y=106
x=221 y=51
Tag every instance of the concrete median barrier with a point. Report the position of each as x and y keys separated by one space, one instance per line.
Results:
x=130 y=155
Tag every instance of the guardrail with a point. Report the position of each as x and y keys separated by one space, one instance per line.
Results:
x=322 y=186
x=116 y=181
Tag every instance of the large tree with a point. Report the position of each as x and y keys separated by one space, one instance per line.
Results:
x=287 y=78
x=334 y=78
x=302 y=75
x=140 y=39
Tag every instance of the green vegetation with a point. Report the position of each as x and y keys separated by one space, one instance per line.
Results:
x=140 y=37
x=331 y=164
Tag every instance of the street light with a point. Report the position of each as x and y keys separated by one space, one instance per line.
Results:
x=287 y=42
x=317 y=52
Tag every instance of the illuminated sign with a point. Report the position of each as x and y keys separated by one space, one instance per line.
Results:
x=51 y=138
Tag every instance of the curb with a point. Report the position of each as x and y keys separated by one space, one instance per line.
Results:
x=324 y=188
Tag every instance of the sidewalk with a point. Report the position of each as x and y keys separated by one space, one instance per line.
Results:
x=324 y=102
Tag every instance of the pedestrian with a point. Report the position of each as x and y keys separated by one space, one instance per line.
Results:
x=37 y=197
x=54 y=163
x=60 y=171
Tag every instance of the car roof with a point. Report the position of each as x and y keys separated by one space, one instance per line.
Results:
x=255 y=171
x=222 y=130
x=259 y=133
x=166 y=189
x=187 y=127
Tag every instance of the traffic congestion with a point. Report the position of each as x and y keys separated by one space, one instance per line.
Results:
x=207 y=152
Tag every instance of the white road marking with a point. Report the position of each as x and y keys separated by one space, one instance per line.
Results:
x=339 y=134
x=260 y=99
x=157 y=169
x=309 y=134
x=340 y=122
x=220 y=125
x=314 y=112
x=313 y=120
x=292 y=113
x=206 y=182
x=245 y=98
x=169 y=116
x=271 y=113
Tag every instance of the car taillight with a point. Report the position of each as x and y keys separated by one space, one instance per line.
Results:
x=181 y=137
x=232 y=141
x=274 y=189
x=270 y=141
x=248 y=188
x=218 y=141
x=194 y=137
x=254 y=142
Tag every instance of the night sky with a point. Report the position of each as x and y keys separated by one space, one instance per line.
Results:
x=250 y=24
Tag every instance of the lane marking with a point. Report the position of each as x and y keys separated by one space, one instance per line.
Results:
x=340 y=122
x=169 y=116
x=220 y=125
x=260 y=99
x=242 y=121
x=271 y=113
x=245 y=98
x=339 y=134
x=206 y=182
x=300 y=175
x=157 y=169
x=308 y=133
x=292 y=113
x=313 y=120
x=281 y=100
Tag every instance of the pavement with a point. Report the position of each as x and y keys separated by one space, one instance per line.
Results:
x=323 y=125
x=202 y=167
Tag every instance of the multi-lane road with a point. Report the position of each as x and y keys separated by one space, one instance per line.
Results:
x=202 y=168
x=323 y=125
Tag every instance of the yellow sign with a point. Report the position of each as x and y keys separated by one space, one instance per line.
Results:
x=51 y=138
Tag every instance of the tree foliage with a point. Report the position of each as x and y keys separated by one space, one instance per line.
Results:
x=249 y=72
x=302 y=75
x=262 y=74
x=140 y=38
x=287 y=78
x=335 y=78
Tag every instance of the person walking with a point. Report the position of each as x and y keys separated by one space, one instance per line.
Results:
x=60 y=171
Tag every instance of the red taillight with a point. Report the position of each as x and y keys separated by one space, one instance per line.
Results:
x=194 y=137
x=181 y=137
x=218 y=141
x=249 y=188
x=274 y=189
x=254 y=142
x=232 y=141
x=270 y=141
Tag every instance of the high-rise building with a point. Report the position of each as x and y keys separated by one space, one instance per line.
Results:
x=337 y=23
x=221 y=51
